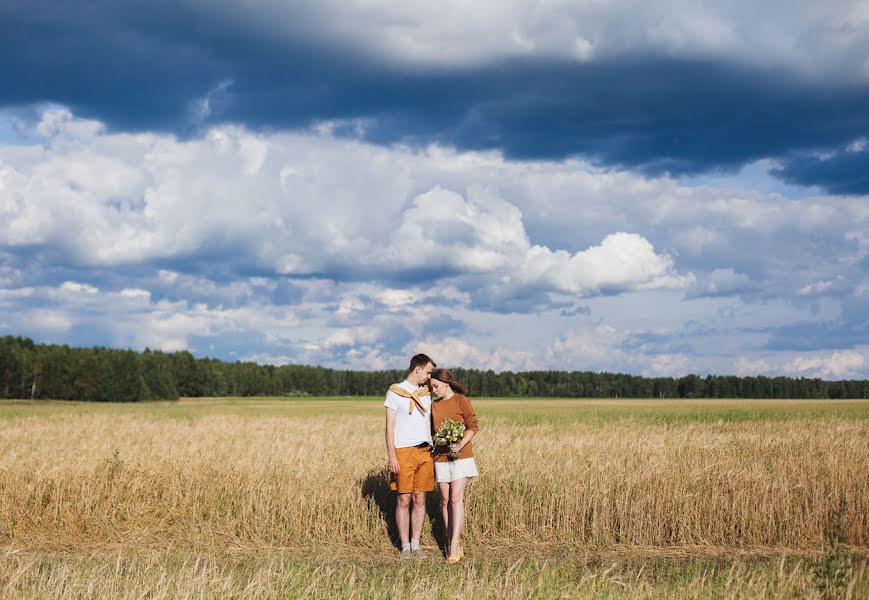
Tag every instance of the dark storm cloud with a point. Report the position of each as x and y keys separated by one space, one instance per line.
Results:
x=845 y=173
x=818 y=336
x=144 y=66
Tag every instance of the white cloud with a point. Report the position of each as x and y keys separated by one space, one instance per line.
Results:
x=669 y=365
x=120 y=199
x=78 y=288
x=170 y=325
x=135 y=293
x=485 y=234
x=808 y=35
x=356 y=336
x=606 y=348
x=370 y=359
x=836 y=285
x=646 y=334
x=721 y=282
x=202 y=108
x=817 y=287
x=397 y=298
x=249 y=198
x=348 y=306
x=59 y=122
x=168 y=276
x=861 y=238
x=27 y=292
x=393 y=239
x=745 y=366
x=46 y=321
x=838 y=365
x=699 y=237
x=858 y=145
x=593 y=348
x=454 y=351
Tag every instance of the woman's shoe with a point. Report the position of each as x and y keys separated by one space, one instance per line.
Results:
x=454 y=559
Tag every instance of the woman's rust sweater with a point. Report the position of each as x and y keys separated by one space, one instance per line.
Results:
x=457 y=408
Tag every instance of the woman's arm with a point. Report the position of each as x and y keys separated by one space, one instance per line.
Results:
x=469 y=434
x=471 y=426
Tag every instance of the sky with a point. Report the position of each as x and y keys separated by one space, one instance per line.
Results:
x=597 y=185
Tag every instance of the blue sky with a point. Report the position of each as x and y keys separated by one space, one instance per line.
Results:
x=604 y=185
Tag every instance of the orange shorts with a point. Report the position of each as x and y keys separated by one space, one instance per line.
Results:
x=416 y=472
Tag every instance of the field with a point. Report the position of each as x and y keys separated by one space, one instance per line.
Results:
x=268 y=497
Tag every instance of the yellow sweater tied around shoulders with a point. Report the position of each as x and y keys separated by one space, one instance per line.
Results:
x=414 y=396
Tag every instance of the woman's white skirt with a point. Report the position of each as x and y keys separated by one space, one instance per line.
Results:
x=451 y=470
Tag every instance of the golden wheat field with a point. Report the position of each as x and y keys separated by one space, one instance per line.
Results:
x=262 y=498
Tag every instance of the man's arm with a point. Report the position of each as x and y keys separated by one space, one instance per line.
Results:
x=390 y=441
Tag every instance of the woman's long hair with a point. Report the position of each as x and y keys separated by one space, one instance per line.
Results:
x=447 y=377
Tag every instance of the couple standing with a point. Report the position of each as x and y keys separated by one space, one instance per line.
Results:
x=411 y=417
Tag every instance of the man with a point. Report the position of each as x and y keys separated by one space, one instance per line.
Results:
x=408 y=445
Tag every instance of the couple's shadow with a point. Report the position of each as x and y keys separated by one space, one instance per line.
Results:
x=375 y=489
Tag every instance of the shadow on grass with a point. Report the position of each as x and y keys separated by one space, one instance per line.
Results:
x=375 y=488
x=436 y=520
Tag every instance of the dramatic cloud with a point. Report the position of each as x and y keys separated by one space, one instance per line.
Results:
x=100 y=200
x=485 y=235
x=808 y=36
x=307 y=247
x=655 y=188
x=678 y=87
x=839 y=172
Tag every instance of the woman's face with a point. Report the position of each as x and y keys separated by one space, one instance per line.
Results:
x=440 y=388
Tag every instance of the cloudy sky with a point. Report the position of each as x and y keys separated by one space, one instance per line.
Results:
x=653 y=188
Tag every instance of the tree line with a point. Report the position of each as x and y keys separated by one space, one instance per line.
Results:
x=49 y=371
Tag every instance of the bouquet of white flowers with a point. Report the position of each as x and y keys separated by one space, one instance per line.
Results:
x=450 y=432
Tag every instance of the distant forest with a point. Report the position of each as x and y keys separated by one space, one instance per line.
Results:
x=47 y=371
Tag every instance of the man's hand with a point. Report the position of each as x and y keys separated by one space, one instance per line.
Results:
x=390 y=441
x=394 y=465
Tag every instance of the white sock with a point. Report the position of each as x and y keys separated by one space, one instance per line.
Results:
x=414 y=544
x=405 y=546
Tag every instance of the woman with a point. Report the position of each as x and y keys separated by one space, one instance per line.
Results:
x=452 y=474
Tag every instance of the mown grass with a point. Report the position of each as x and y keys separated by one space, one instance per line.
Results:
x=579 y=498
x=159 y=575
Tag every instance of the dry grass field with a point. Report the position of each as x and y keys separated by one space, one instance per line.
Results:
x=260 y=498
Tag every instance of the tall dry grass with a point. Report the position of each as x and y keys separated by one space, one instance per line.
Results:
x=98 y=480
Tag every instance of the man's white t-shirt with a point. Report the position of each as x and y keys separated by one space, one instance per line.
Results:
x=414 y=428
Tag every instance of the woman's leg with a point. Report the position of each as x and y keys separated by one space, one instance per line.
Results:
x=457 y=513
x=445 y=509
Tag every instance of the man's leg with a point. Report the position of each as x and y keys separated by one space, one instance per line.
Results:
x=417 y=518
x=423 y=482
x=402 y=518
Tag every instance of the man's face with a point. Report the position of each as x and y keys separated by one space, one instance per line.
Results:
x=423 y=374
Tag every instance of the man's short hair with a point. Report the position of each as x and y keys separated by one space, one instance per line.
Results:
x=420 y=360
